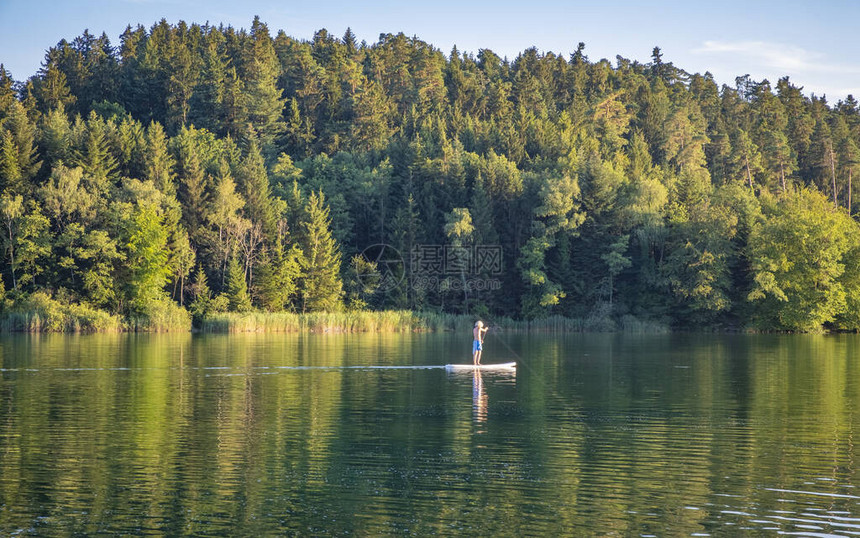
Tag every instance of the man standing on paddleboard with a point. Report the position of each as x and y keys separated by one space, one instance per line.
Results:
x=478 y=341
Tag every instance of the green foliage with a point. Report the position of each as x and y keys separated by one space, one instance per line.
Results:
x=458 y=226
x=616 y=261
x=320 y=263
x=237 y=287
x=40 y=313
x=798 y=256
x=557 y=214
x=160 y=315
x=607 y=192
x=277 y=278
x=147 y=258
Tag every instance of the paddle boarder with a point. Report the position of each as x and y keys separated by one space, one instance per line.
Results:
x=478 y=341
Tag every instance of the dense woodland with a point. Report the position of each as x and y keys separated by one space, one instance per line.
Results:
x=216 y=169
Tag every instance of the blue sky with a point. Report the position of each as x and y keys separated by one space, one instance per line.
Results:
x=816 y=43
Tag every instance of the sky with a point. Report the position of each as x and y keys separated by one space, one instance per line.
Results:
x=814 y=42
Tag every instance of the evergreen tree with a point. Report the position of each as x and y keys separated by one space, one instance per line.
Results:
x=201 y=295
x=778 y=160
x=237 y=287
x=262 y=99
x=56 y=137
x=207 y=103
x=254 y=182
x=96 y=159
x=10 y=171
x=150 y=140
x=51 y=88
x=192 y=181
x=277 y=278
x=23 y=132
x=159 y=163
x=321 y=286
x=746 y=158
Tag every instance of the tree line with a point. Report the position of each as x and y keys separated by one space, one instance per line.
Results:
x=216 y=169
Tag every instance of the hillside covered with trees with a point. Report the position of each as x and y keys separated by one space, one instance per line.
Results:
x=214 y=169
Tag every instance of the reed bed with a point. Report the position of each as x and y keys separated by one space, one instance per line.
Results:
x=317 y=322
x=161 y=317
x=40 y=313
x=403 y=321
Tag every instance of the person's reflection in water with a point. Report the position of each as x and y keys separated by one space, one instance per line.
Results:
x=479 y=397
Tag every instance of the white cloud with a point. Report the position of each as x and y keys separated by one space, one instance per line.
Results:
x=812 y=70
x=787 y=59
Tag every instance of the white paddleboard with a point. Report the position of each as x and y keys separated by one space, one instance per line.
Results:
x=500 y=366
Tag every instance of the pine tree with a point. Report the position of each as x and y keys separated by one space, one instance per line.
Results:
x=7 y=93
x=321 y=286
x=96 y=159
x=192 y=180
x=559 y=212
x=201 y=294
x=207 y=102
x=11 y=179
x=51 y=88
x=277 y=276
x=263 y=101
x=369 y=128
x=159 y=163
x=254 y=183
x=23 y=132
x=481 y=210
x=180 y=82
x=405 y=233
x=55 y=140
x=778 y=159
x=745 y=158
x=237 y=287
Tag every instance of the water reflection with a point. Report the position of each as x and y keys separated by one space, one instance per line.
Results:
x=479 y=397
x=306 y=435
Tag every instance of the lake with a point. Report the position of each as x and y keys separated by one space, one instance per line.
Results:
x=353 y=434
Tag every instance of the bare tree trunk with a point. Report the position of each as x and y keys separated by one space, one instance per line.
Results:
x=12 y=256
x=833 y=175
x=782 y=175
x=749 y=175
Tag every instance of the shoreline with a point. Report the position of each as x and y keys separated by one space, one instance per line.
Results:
x=82 y=319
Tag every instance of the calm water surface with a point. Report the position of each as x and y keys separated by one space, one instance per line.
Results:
x=288 y=434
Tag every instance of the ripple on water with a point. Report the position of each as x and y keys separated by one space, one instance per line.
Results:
x=271 y=434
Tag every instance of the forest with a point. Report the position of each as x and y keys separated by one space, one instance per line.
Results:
x=191 y=170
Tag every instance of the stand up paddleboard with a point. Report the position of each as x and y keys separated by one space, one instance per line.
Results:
x=500 y=366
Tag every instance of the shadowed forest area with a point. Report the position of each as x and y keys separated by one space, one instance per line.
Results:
x=193 y=170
